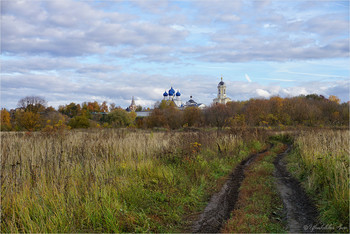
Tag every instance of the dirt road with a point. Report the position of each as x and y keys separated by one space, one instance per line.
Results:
x=221 y=204
x=299 y=212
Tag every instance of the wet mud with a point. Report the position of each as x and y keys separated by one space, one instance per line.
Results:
x=301 y=214
x=299 y=211
x=222 y=203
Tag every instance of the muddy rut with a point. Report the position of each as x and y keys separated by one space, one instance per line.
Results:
x=222 y=203
x=299 y=212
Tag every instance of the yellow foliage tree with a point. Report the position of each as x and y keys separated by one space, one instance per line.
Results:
x=28 y=120
x=5 y=120
x=334 y=98
x=132 y=116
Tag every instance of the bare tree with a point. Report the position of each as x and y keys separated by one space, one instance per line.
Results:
x=217 y=115
x=32 y=103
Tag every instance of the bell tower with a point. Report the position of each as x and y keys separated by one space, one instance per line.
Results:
x=221 y=90
x=221 y=98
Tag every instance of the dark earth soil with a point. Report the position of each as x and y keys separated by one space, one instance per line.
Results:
x=301 y=214
x=221 y=204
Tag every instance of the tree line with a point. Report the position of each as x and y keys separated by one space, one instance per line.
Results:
x=311 y=110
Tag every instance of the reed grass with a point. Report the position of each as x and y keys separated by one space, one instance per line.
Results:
x=111 y=180
x=321 y=161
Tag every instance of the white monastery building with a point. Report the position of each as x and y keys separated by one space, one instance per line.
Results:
x=172 y=96
x=221 y=98
x=176 y=98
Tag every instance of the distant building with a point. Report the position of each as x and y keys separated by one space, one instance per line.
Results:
x=172 y=96
x=132 y=106
x=221 y=98
x=175 y=97
x=191 y=102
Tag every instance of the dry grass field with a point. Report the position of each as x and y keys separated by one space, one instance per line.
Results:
x=122 y=180
x=112 y=180
x=321 y=161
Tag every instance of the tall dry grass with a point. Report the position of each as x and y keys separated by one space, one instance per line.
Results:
x=322 y=162
x=110 y=180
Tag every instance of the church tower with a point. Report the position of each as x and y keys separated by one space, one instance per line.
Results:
x=221 y=98
x=133 y=106
x=221 y=90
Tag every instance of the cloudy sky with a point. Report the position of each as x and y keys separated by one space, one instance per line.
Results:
x=74 y=51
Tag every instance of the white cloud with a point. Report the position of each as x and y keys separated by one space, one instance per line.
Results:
x=313 y=74
x=269 y=26
x=69 y=50
x=248 y=78
x=262 y=93
x=283 y=80
x=229 y=18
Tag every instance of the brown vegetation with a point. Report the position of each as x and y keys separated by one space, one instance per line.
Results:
x=321 y=162
x=111 y=180
x=311 y=110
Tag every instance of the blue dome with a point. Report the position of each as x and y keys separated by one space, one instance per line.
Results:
x=178 y=94
x=171 y=91
x=165 y=94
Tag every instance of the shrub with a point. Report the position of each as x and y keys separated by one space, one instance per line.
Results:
x=120 y=118
x=79 y=122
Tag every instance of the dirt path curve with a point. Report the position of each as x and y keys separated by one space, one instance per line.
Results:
x=222 y=203
x=300 y=213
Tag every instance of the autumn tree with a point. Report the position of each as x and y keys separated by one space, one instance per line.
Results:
x=34 y=104
x=327 y=109
x=104 y=107
x=28 y=120
x=91 y=106
x=297 y=108
x=80 y=121
x=276 y=106
x=235 y=107
x=120 y=118
x=334 y=98
x=256 y=111
x=52 y=118
x=156 y=119
x=314 y=96
x=5 y=123
x=191 y=116
x=344 y=112
x=112 y=107
x=335 y=118
x=217 y=115
x=173 y=117
x=71 y=110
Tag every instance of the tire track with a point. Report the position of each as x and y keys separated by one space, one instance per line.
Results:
x=301 y=214
x=222 y=203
